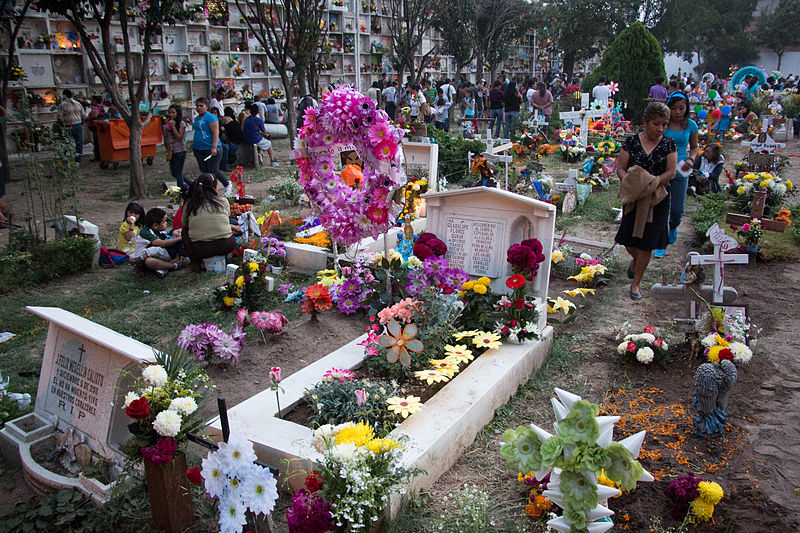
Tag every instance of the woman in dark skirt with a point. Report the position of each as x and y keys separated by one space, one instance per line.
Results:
x=656 y=154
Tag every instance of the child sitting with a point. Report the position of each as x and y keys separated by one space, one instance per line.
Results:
x=706 y=171
x=130 y=227
x=154 y=247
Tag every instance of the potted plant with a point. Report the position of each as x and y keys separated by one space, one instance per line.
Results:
x=275 y=251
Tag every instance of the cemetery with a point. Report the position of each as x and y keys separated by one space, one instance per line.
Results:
x=416 y=330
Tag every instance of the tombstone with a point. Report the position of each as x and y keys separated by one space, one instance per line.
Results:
x=424 y=156
x=722 y=243
x=478 y=225
x=86 y=371
x=570 y=202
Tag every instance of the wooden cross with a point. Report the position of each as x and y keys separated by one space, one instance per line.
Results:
x=719 y=259
x=583 y=115
x=757 y=211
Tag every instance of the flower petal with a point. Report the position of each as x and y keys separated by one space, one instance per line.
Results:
x=393 y=327
x=405 y=357
x=409 y=332
x=386 y=341
x=394 y=353
x=414 y=345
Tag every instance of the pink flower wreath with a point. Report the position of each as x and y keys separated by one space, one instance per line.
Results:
x=347 y=117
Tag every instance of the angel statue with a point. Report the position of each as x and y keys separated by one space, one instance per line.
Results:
x=712 y=382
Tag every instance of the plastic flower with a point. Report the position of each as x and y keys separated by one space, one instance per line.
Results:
x=214 y=478
x=260 y=490
x=337 y=374
x=448 y=367
x=579 y=489
x=404 y=406
x=167 y=423
x=431 y=376
x=237 y=454
x=621 y=467
x=461 y=334
x=458 y=352
x=520 y=447
x=557 y=257
x=645 y=355
x=231 y=514
x=155 y=375
x=579 y=292
x=487 y=340
x=184 y=406
x=562 y=304
x=400 y=342
x=580 y=426
x=516 y=281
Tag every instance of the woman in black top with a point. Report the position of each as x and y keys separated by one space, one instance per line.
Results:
x=233 y=130
x=654 y=152
x=512 y=99
x=496 y=107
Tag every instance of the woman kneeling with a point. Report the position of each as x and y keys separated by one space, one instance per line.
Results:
x=207 y=231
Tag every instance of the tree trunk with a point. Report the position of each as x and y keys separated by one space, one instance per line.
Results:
x=137 y=189
x=4 y=171
x=780 y=58
x=569 y=64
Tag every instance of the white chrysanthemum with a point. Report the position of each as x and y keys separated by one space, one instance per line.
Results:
x=346 y=451
x=130 y=397
x=586 y=257
x=709 y=340
x=155 y=375
x=645 y=355
x=231 y=514
x=320 y=435
x=741 y=352
x=260 y=490
x=530 y=327
x=213 y=477
x=237 y=454
x=622 y=348
x=647 y=337
x=168 y=423
x=184 y=406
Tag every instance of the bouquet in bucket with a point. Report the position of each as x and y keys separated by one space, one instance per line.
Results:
x=750 y=232
x=517 y=315
x=164 y=407
x=645 y=348
x=247 y=289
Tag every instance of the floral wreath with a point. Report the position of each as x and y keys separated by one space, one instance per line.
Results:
x=348 y=118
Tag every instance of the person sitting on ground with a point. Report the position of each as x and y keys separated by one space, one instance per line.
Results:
x=207 y=230
x=747 y=117
x=254 y=132
x=709 y=167
x=154 y=248
x=130 y=227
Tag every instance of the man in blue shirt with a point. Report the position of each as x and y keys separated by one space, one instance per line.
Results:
x=206 y=145
x=254 y=132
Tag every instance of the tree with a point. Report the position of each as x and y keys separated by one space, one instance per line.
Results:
x=495 y=26
x=780 y=30
x=634 y=60
x=289 y=31
x=11 y=16
x=724 y=36
x=409 y=22
x=456 y=23
x=149 y=18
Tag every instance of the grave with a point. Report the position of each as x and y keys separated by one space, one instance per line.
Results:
x=722 y=243
x=581 y=118
x=757 y=211
x=424 y=157
x=86 y=371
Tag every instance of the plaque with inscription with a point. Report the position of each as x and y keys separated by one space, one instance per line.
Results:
x=473 y=244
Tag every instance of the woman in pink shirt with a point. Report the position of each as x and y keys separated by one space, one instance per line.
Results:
x=542 y=101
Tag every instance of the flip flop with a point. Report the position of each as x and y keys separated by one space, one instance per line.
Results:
x=635 y=297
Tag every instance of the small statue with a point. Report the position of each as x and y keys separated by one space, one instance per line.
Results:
x=712 y=382
x=23 y=401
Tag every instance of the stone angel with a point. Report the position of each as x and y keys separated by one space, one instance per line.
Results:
x=712 y=383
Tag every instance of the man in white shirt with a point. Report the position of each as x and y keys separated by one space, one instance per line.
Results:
x=529 y=96
x=601 y=92
x=216 y=102
x=390 y=98
x=449 y=93
x=72 y=115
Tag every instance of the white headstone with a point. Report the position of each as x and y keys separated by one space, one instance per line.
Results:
x=722 y=243
x=86 y=371
x=763 y=144
x=478 y=225
x=581 y=117
x=423 y=156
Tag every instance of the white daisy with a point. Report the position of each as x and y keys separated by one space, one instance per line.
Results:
x=214 y=478
x=260 y=490
x=231 y=515
x=237 y=454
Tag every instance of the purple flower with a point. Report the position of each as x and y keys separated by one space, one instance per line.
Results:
x=309 y=513
x=161 y=453
x=283 y=288
x=226 y=347
x=434 y=266
x=681 y=491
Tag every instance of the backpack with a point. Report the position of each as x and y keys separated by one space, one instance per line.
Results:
x=109 y=257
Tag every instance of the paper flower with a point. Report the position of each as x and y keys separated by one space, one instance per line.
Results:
x=431 y=376
x=400 y=342
x=458 y=352
x=487 y=340
x=404 y=406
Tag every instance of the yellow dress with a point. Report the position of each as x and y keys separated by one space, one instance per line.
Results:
x=124 y=244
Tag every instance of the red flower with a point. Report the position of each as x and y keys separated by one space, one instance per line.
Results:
x=505 y=330
x=515 y=282
x=519 y=303
x=658 y=342
x=631 y=346
x=138 y=409
x=194 y=475
x=649 y=329
x=313 y=481
x=513 y=323
x=726 y=353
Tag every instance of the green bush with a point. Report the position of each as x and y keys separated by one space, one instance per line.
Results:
x=287 y=189
x=9 y=410
x=634 y=60
x=453 y=161
x=334 y=402
x=712 y=208
x=27 y=261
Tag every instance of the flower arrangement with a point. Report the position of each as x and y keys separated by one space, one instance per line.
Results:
x=187 y=67
x=695 y=496
x=726 y=346
x=175 y=194
x=275 y=250
x=537 y=503
x=310 y=513
x=429 y=245
x=436 y=272
x=247 y=289
x=239 y=209
x=316 y=299
x=210 y=342
x=174 y=68
x=742 y=190
x=479 y=304
x=572 y=154
x=750 y=232
x=517 y=315
x=357 y=472
x=646 y=347
x=348 y=213
x=264 y=321
x=353 y=290
x=164 y=407
x=231 y=476
x=337 y=401
x=276 y=93
x=525 y=257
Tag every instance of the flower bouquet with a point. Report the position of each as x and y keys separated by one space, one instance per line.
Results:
x=275 y=251
x=164 y=407
x=750 y=232
x=247 y=290
x=589 y=271
x=517 y=315
x=525 y=258
x=479 y=301
x=776 y=189
x=719 y=346
x=645 y=347
x=175 y=194
x=209 y=342
x=689 y=494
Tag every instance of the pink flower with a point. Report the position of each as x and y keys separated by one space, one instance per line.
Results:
x=271 y=322
x=378 y=133
x=370 y=350
x=631 y=346
x=361 y=397
x=241 y=315
x=649 y=329
x=385 y=150
x=275 y=374
x=658 y=342
x=746 y=227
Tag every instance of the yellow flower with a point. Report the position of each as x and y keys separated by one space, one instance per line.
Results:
x=240 y=282
x=458 y=352
x=404 y=406
x=488 y=340
x=261 y=220
x=740 y=191
x=358 y=433
x=789 y=185
x=561 y=304
x=550 y=310
x=467 y=333
x=228 y=301
x=486 y=282
x=750 y=177
x=253 y=266
x=702 y=509
x=710 y=492
x=603 y=480
x=448 y=367
x=579 y=292
x=584 y=276
x=431 y=376
x=766 y=175
x=597 y=269
x=382 y=445
x=480 y=289
x=764 y=184
x=557 y=257
x=468 y=285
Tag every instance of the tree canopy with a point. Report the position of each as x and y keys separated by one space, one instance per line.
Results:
x=779 y=31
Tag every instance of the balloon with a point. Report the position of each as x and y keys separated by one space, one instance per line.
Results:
x=697 y=108
x=713 y=94
x=702 y=114
x=716 y=113
x=726 y=110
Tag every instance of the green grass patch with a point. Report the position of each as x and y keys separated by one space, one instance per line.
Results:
x=597 y=208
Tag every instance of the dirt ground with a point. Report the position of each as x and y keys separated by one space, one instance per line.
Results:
x=757 y=461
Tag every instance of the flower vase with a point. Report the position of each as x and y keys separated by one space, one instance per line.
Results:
x=752 y=251
x=276 y=269
x=168 y=490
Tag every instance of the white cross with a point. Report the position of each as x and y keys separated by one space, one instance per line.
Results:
x=719 y=258
x=583 y=115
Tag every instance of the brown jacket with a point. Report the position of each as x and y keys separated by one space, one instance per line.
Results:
x=640 y=190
